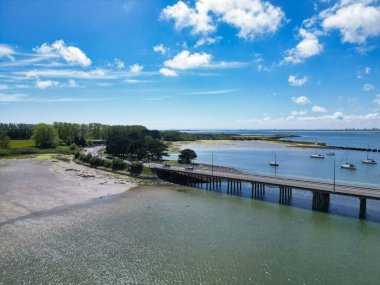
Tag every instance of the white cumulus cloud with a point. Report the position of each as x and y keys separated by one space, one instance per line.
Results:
x=252 y=18
x=356 y=20
x=43 y=84
x=294 y=81
x=136 y=68
x=301 y=100
x=318 y=109
x=160 y=49
x=70 y=54
x=168 y=72
x=186 y=60
x=309 y=46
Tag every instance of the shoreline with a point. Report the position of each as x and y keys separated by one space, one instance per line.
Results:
x=31 y=186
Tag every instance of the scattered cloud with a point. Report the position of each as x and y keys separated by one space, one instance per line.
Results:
x=355 y=20
x=367 y=70
x=168 y=72
x=136 y=81
x=377 y=100
x=119 y=63
x=318 y=109
x=212 y=92
x=11 y=97
x=207 y=41
x=70 y=54
x=6 y=51
x=251 y=18
x=331 y=121
x=72 y=83
x=160 y=49
x=294 y=81
x=186 y=60
x=368 y=87
x=46 y=83
x=309 y=46
x=298 y=113
x=136 y=68
x=301 y=100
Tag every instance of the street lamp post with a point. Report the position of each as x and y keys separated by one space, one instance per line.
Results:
x=334 y=174
x=212 y=164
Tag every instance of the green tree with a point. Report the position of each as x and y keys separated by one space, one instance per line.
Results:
x=45 y=136
x=4 y=139
x=187 y=156
x=136 y=168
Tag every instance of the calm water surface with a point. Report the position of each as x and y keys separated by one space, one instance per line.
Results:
x=161 y=236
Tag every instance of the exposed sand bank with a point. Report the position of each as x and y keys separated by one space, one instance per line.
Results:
x=29 y=186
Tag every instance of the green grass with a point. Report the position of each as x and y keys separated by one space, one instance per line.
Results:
x=16 y=149
x=15 y=144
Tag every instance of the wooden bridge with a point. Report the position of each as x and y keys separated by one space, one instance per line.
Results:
x=213 y=181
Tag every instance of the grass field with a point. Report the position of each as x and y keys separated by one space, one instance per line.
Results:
x=27 y=147
x=21 y=143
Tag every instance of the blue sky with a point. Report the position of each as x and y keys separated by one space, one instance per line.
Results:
x=241 y=64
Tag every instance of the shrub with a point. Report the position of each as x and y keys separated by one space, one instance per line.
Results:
x=96 y=162
x=136 y=168
x=77 y=154
x=118 y=164
x=73 y=146
x=107 y=163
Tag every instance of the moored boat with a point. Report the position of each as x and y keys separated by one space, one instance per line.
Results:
x=348 y=166
x=317 y=156
x=330 y=153
x=274 y=163
x=369 y=160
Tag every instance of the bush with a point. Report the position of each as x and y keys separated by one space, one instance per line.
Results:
x=107 y=163
x=96 y=162
x=76 y=154
x=118 y=164
x=73 y=146
x=136 y=168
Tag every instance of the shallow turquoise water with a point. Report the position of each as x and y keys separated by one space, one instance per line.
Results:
x=161 y=236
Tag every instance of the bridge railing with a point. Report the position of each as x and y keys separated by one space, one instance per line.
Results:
x=280 y=176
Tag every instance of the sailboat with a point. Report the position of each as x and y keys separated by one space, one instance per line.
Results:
x=274 y=163
x=317 y=156
x=330 y=153
x=348 y=165
x=369 y=160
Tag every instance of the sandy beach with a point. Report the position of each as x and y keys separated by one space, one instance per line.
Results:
x=31 y=186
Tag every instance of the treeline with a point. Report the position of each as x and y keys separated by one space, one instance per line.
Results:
x=17 y=131
x=135 y=142
x=180 y=136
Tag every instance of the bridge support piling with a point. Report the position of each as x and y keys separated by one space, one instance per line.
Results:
x=258 y=190
x=363 y=208
x=285 y=195
x=321 y=201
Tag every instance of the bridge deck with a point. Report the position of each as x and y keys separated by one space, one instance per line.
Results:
x=304 y=184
